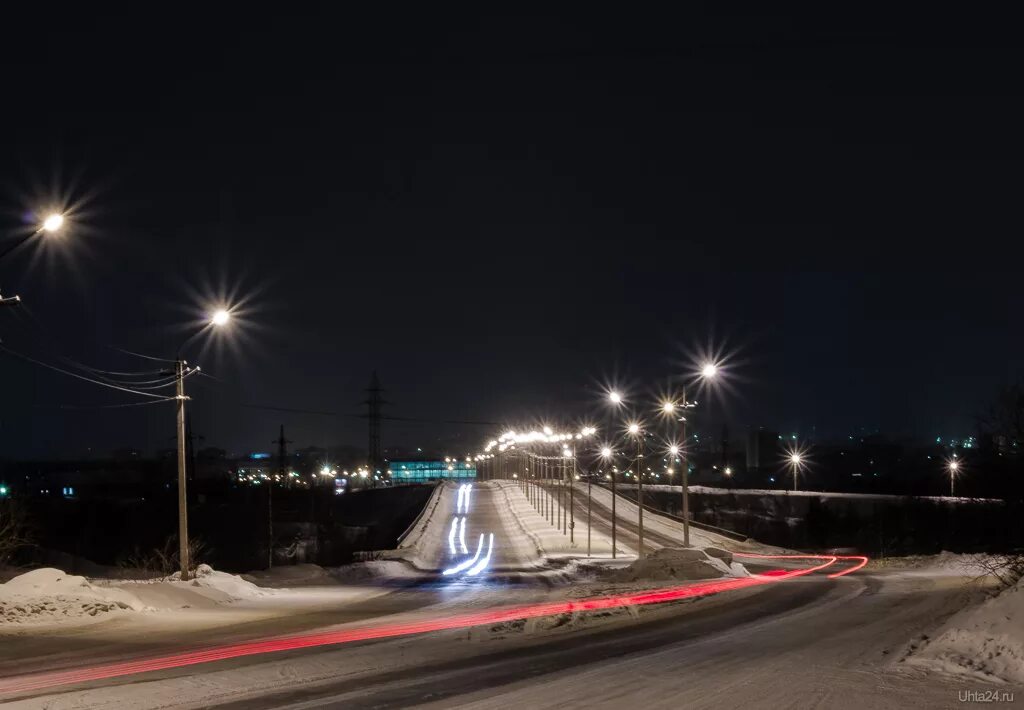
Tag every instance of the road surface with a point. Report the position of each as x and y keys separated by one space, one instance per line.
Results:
x=810 y=641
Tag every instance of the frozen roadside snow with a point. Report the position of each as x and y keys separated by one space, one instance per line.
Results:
x=373 y=570
x=50 y=596
x=678 y=564
x=984 y=641
x=545 y=539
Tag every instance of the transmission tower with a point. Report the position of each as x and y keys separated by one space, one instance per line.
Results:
x=374 y=402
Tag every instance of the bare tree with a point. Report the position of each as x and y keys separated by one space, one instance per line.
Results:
x=13 y=529
x=1003 y=423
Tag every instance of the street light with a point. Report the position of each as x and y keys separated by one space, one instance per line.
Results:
x=953 y=467
x=607 y=455
x=614 y=397
x=218 y=320
x=52 y=223
x=707 y=373
x=796 y=460
x=634 y=430
x=220 y=317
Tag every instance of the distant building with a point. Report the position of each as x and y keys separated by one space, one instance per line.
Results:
x=763 y=449
x=421 y=471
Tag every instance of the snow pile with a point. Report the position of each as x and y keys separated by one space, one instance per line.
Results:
x=376 y=569
x=425 y=546
x=49 y=595
x=300 y=575
x=671 y=563
x=986 y=641
x=231 y=586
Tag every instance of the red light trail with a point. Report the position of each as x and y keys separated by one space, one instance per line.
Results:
x=41 y=681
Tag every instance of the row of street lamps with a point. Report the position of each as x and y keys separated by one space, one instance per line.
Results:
x=537 y=469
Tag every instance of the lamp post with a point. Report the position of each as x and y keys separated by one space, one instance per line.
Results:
x=795 y=459
x=51 y=225
x=953 y=467
x=707 y=373
x=218 y=319
x=606 y=455
x=615 y=399
x=634 y=430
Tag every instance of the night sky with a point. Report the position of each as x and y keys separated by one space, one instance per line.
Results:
x=499 y=213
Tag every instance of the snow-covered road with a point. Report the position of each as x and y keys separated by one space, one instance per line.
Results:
x=803 y=642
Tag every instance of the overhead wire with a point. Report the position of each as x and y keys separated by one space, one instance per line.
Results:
x=101 y=383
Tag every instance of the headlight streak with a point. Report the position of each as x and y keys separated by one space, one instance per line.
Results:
x=462 y=536
x=467 y=563
x=469 y=492
x=462 y=495
x=365 y=633
x=451 y=535
x=482 y=564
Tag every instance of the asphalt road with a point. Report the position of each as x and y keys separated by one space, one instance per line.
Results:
x=806 y=642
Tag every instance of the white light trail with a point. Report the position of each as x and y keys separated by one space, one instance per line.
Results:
x=451 y=536
x=482 y=564
x=469 y=490
x=462 y=494
x=462 y=536
x=468 y=563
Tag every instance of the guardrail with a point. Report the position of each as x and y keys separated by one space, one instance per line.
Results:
x=412 y=526
x=732 y=535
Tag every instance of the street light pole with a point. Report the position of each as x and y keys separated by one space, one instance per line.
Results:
x=179 y=376
x=572 y=485
x=635 y=430
x=685 y=477
x=640 y=495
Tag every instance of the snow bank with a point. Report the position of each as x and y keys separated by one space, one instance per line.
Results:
x=985 y=641
x=671 y=563
x=51 y=596
x=377 y=569
x=545 y=538
x=230 y=585
x=712 y=490
x=425 y=546
x=300 y=575
x=48 y=595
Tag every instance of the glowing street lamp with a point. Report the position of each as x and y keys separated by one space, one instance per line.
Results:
x=708 y=372
x=220 y=317
x=953 y=467
x=797 y=463
x=52 y=223
x=634 y=430
x=614 y=397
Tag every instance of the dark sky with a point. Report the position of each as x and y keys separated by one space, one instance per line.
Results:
x=499 y=212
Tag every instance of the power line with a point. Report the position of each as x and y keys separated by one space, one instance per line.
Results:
x=77 y=376
x=145 y=357
x=293 y=410
x=116 y=406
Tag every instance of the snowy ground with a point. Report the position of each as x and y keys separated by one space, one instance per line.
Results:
x=984 y=641
x=713 y=490
x=887 y=636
